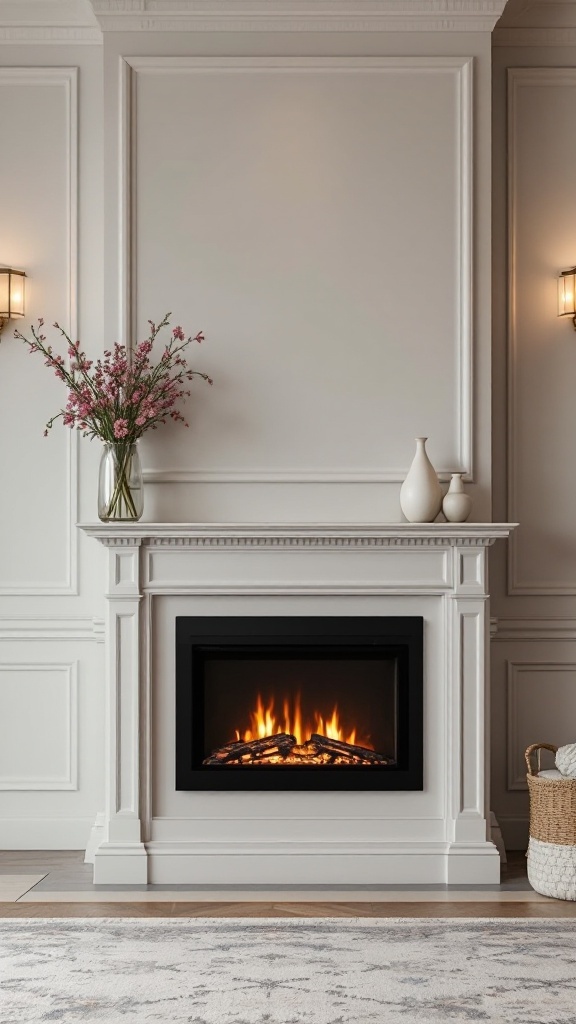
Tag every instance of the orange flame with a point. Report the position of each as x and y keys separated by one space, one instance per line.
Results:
x=265 y=722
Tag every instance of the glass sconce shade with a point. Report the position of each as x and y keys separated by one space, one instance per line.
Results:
x=11 y=293
x=567 y=293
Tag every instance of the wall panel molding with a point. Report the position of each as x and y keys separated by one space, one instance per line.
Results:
x=68 y=781
x=56 y=628
x=66 y=79
x=516 y=776
x=541 y=629
x=462 y=70
x=518 y=580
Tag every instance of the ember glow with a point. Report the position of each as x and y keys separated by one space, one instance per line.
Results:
x=265 y=721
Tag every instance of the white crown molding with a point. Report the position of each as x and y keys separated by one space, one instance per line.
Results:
x=298 y=535
x=48 y=21
x=298 y=15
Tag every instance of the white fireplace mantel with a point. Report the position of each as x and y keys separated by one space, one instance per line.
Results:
x=157 y=570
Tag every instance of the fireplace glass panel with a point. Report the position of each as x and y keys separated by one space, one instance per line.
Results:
x=352 y=699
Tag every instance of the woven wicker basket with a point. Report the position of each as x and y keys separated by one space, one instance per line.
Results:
x=552 y=846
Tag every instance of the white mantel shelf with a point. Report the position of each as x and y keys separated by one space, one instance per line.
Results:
x=300 y=534
x=158 y=571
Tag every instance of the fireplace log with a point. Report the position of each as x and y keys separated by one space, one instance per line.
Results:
x=348 y=750
x=234 y=753
x=283 y=748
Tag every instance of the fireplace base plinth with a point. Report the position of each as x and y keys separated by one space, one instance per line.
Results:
x=121 y=864
x=324 y=864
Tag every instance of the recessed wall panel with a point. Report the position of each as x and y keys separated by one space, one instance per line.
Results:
x=542 y=349
x=38 y=217
x=310 y=217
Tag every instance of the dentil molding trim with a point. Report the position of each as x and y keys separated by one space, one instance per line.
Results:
x=298 y=15
x=299 y=535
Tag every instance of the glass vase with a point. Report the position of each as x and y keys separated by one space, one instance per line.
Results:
x=120 y=484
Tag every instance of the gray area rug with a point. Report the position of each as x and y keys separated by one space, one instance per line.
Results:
x=267 y=971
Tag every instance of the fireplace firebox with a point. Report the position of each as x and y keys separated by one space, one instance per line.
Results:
x=299 y=703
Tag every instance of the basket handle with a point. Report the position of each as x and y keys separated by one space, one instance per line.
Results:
x=532 y=749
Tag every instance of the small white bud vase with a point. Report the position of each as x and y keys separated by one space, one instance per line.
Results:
x=457 y=505
x=421 y=494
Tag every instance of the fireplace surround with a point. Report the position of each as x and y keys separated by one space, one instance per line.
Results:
x=157 y=573
x=299 y=703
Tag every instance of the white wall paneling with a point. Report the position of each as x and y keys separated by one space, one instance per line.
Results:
x=39 y=235
x=51 y=610
x=38 y=726
x=302 y=261
x=542 y=354
x=285 y=306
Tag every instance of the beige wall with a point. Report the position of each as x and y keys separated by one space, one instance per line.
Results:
x=534 y=361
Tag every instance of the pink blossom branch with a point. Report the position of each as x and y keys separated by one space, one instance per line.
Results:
x=118 y=398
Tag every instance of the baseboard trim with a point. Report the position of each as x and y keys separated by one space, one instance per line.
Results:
x=338 y=864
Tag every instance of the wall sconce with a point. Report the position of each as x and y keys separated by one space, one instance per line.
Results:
x=567 y=294
x=11 y=295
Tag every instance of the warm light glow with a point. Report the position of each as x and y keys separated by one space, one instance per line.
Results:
x=11 y=293
x=264 y=721
x=567 y=293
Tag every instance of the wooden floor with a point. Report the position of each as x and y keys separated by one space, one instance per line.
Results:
x=65 y=870
x=552 y=908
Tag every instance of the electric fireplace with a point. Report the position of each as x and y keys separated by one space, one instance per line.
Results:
x=299 y=703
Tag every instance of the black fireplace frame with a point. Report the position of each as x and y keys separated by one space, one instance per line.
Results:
x=198 y=635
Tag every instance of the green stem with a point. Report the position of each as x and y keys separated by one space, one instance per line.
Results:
x=122 y=488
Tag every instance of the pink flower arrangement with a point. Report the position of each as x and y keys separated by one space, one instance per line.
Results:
x=119 y=397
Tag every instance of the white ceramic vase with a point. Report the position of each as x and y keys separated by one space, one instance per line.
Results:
x=457 y=505
x=421 y=494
